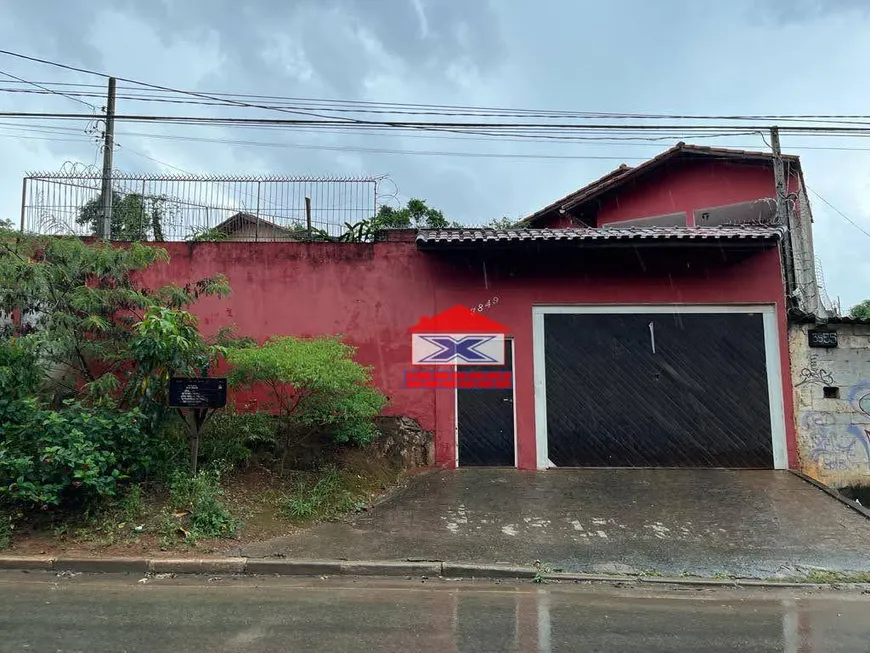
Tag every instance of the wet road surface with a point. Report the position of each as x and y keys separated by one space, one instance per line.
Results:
x=758 y=523
x=40 y=612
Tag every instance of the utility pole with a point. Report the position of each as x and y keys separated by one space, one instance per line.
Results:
x=778 y=176
x=104 y=229
x=782 y=217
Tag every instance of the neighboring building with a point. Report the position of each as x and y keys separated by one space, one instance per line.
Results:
x=830 y=364
x=246 y=227
x=637 y=336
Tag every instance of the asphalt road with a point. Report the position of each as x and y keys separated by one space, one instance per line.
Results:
x=42 y=612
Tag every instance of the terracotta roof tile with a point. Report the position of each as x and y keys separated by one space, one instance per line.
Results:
x=629 y=234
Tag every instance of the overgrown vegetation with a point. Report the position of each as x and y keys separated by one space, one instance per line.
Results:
x=88 y=443
x=84 y=368
x=238 y=440
x=195 y=508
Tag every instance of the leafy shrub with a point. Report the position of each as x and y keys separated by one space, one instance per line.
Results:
x=200 y=495
x=71 y=456
x=64 y=457
x=316 y=386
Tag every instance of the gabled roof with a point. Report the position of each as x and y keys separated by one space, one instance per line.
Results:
x=625 y=173
x=237 y=220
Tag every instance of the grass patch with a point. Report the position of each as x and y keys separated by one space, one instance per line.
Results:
x=651 y=573
x=825 y=577
x=323 y=495
x=196 y=509
x=542 y=569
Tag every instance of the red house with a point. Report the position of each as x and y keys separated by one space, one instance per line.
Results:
x=645 y=315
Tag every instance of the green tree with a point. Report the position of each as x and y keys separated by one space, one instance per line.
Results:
x=134 y=216
x=165 y=343
x=82 y=303
x=415 y=215
x=501 y=223
x=861 y=309
x=316 y=386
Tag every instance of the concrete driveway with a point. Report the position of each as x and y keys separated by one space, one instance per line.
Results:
x=705 y=522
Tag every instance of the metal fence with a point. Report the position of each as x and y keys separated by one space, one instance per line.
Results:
x=193 y=207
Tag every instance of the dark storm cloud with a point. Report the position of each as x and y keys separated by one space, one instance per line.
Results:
x=328 y=33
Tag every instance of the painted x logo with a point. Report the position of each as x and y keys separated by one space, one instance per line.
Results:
x=458 y=350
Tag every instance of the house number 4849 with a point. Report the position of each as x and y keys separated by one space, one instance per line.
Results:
x=489 y=303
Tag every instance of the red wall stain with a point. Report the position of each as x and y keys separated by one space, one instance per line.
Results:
x=372 y=294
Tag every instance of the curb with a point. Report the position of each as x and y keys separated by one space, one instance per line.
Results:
x=460 y=570
x=830 y=491
x=419 y=569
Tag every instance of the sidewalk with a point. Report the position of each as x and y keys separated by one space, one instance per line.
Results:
x=753 y=524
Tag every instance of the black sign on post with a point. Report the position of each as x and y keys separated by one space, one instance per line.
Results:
x=819 y=338
x=196 y=397
x=197 y=393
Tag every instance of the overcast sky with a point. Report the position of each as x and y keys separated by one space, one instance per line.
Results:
x=632 y=56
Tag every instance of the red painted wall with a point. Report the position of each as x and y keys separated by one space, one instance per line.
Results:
x=685 y=186
x=373 y=293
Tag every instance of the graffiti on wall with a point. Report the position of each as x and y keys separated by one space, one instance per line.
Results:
x=810 y=376
x=837 y=447
x=814 y=375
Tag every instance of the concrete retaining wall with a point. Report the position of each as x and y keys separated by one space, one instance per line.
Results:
x=832 y=404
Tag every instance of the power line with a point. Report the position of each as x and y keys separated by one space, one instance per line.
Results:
x=472 y=111
x=840 y=213
x=48 y=90
x=165 y=88
x=440 y=126
x=493 y=126
x=459 y=108
x=368 y=150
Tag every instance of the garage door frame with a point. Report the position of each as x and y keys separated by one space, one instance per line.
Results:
x=773 y=362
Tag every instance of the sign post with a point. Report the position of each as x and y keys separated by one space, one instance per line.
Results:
x=196 y=397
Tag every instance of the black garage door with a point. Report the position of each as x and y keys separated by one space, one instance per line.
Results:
x=649 y=390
